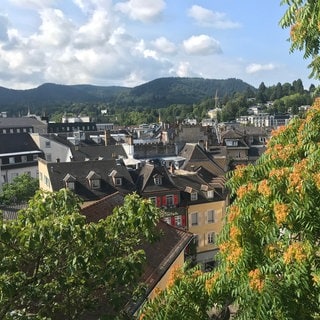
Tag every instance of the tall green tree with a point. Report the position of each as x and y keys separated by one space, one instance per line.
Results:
x=302 y=17
x=21 y=189
x=55 y=265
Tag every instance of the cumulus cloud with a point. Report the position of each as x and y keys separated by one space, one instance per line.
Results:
x=209 y=18
x=55 y=28
x=202 y=45
x=256 y=67
x=141 y=10
x=164 y=45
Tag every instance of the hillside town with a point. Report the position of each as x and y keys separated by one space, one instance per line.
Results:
x=181 y=168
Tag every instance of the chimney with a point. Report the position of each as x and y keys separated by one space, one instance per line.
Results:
x=107 y=137
x=172 y=168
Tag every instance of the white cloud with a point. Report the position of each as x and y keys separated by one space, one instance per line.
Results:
x=202 y=45
x=142 y=10
x=209 y=18
x=55 y=28
x=164 y=45
x=256 y=67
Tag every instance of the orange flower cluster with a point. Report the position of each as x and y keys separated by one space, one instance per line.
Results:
x=211 y=282
x=296 y=177
x=235 y=232
x=263 y=188
x=197 y=273
x=233 y=213
x=239 y=171
x=278 y=173
x=256 y=281
x=271 y=250
x=244 y=189
x=232 y=250
x=282 y=152
x=175 y=274
x=281 y=211
x=278 y=131
x=295 y=253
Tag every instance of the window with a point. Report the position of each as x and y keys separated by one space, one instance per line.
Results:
x=11 y=160
x=157 y=180
x=48 y=144
x=24 y=130
x=170 y=200
x=35 y=157
x=18 y=130
x=211 y=238
x=24 y=158
x=95 y=183
x=194 y=196
x=70 y=185
x=48 y=157
x=11 y=130
x=118 y=181
x=210 y=194
x=46 y=181
x=178 y=221
x=210 y=216
x=194 y=219
x=13 y=175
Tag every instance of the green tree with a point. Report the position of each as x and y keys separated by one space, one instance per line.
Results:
x=302 y=17
x=22 y=188
x=55 y=265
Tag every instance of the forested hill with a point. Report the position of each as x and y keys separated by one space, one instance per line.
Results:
x=157 y=93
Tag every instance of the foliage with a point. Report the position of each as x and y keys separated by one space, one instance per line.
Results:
x=22 y=188
x=170 y=304
x=55 y=265
x=269 y=258
x=302 y=17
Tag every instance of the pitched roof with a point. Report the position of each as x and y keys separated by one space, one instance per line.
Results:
x=11 y=122
x=17 y=142
x=147 y=174
x=80 y=170
x=196 y=157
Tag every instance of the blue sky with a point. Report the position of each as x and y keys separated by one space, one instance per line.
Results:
x=130 y=42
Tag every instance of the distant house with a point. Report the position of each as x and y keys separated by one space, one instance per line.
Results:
x=206 y=199
x=18 y=155
x=90 y=180
x=155 y=183
x=22 y=125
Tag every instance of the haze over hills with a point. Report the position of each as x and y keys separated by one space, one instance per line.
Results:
x=158 y=93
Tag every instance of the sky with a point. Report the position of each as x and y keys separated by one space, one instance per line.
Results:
x=131 y=42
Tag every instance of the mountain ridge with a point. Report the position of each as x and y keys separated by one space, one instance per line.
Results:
x=156 y=93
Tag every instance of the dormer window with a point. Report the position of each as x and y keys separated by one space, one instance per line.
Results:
x=94 y=180
x=117 y=181
x=194 y=195
x=70 y=181
x=116 y=178
x=210 y=194
x=157 y=179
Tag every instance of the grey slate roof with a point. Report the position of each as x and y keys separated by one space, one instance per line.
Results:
x=145 y=180
x=81 y=169
x=196 y=158
x=17 y=142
